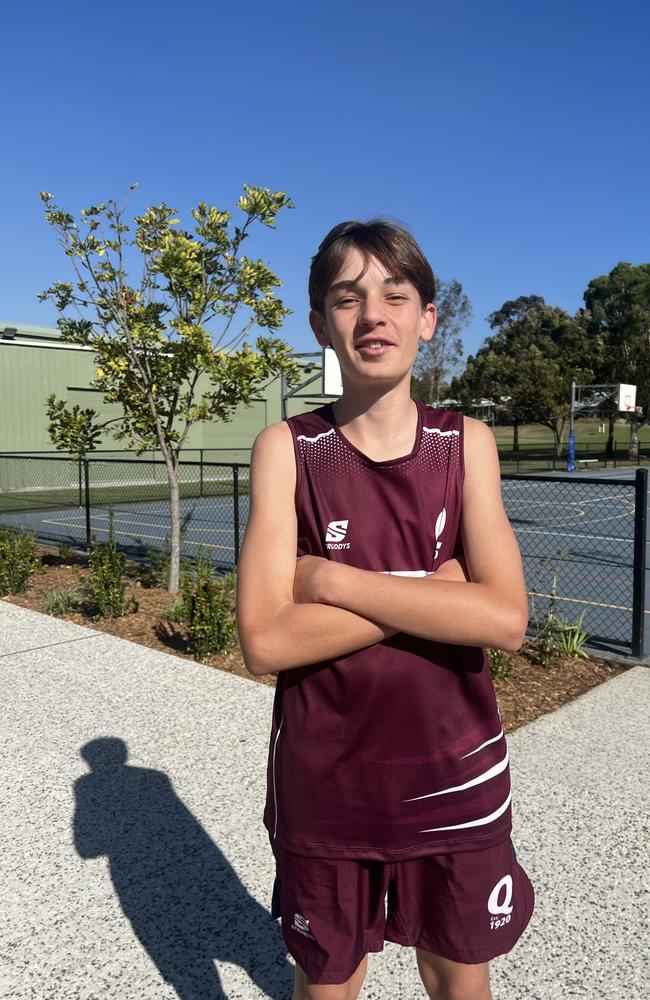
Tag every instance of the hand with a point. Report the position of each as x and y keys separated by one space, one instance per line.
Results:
x=454 y=570
x=309 y=570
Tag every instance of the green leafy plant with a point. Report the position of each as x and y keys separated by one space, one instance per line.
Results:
x=106 y=585
x=499 y=663
x=571 y=637
x=205 y=607
x=17 y=561
x=61 y=601
x=64 y=550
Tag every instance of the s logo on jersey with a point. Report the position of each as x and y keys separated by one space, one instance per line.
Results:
x=335 y=535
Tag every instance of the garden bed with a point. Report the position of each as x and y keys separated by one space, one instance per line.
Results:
x=530 y=690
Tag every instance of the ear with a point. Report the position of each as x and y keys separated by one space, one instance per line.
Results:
x=318 y=325
x=428 y=321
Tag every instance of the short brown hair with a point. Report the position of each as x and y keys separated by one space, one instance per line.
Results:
x=391 y=244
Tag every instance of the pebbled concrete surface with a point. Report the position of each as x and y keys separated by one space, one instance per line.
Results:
x=134 y=864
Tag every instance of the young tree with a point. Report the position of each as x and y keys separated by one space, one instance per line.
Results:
x=530 y=361
x=154 y=352
x=438 y=359
x=618 y=312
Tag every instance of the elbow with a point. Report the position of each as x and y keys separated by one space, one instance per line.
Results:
x=513 y=631
x=258 y=658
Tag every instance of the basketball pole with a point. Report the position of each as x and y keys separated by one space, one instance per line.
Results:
x=571 y=457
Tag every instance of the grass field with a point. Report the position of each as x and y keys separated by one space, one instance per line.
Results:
x=537 y=445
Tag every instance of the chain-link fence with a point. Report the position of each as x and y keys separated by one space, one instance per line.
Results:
x=583 y=544
x=582 y=538
x=70 y=502
x=588 y=457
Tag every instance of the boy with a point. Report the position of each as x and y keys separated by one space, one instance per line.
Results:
x=388 y=770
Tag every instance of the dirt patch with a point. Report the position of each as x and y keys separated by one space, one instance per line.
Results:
x=529 y=691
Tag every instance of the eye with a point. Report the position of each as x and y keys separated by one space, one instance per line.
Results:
x=347 y=300
x=397 y=297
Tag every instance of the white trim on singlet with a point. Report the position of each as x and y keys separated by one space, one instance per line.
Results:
x=483 y=821
x=486 y=744
x=323 y=434
x=436 y=430
x=405 y=572
x=275 y=794
x=478 y=780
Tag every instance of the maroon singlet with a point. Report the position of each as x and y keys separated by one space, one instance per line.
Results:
x=395 y=751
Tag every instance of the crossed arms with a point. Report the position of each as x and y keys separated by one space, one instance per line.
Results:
x=294 y=613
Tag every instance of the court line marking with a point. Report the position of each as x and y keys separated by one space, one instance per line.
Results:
x=568 y=534
x=128 y=524
x=155 y=538
x=580 y=600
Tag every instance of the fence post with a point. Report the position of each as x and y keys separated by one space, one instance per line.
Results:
x=80 y=480
x=87 y=499
x=640 y=528
x=200 y=472
x=235 y=512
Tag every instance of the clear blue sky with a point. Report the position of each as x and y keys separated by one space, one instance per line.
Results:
x=511 y=137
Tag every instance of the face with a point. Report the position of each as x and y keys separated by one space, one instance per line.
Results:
x=373 y=321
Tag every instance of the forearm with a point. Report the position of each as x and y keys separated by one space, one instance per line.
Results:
x=300 y=634
x=464 y=613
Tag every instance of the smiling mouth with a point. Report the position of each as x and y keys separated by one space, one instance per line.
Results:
x=373 y=345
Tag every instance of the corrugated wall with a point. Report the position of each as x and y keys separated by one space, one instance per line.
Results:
x=29 y=374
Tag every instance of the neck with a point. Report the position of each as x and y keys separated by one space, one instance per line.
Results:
x=383 y=426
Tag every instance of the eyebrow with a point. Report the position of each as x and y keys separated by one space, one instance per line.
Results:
x=341 y=285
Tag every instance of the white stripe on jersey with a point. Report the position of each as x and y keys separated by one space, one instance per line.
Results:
x=478 y=780
x=323 y=434
x=436 y=430
x=486 y=744
x=405 y=572
x=483 y=821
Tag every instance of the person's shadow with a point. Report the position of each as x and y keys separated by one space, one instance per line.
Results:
x=185 y=903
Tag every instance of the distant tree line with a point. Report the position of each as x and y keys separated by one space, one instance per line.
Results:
x=526 y=366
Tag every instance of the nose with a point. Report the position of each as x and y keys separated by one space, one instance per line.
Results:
x=371 y=313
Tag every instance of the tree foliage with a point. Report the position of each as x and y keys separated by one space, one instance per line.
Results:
x=438 y=359
x=156 y=354
x=526 y=367
x=618 y=313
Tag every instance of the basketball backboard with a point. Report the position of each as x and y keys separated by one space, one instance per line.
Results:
x=332 y=385
x=626 y=398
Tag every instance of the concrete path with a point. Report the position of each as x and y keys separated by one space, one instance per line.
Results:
x=132 y=849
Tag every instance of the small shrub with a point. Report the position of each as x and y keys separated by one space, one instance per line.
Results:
x=17 y=561
x=177 y=611
x=155 y=572
x=205 y=607
x=60 y=602
x=64 y=550
x=106 y=565
x=571 y=637
x=499 y=662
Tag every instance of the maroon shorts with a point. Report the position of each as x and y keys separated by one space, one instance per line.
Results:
x=467 y=907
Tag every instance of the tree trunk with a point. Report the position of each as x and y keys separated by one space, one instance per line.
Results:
x=557 y=434
x=633 y=451
x=610 y=434
x=515 y=435
x=175 y=523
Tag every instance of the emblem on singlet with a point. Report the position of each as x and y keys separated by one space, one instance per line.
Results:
x=335 y=535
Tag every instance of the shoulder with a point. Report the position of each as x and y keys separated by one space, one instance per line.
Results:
x=477 y=434
x=274 y=439
x=481 y=457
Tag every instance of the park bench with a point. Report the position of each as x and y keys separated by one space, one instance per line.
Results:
x=586 y=461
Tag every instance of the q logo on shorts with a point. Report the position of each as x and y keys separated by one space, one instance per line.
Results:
x=496 y=906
